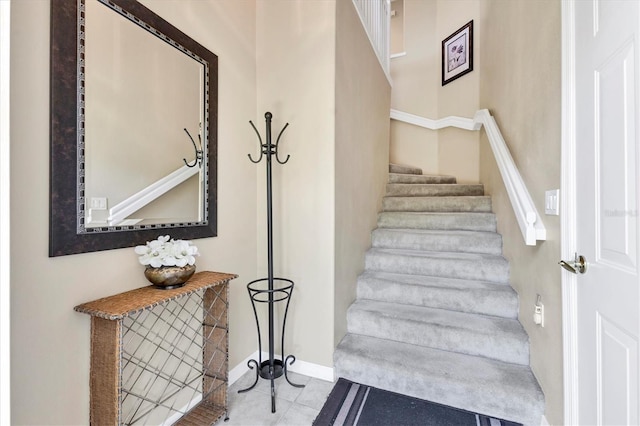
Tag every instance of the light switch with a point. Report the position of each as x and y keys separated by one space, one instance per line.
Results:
x=552 y=202
x=98 y=203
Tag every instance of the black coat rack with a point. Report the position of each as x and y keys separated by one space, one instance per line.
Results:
x=271 y=368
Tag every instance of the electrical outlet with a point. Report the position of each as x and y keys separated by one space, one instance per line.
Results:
x=538 y=312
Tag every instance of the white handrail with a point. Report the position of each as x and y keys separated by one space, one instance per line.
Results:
x=451 y=121
x=143 y=197
x=375 y=16
x=525 y=210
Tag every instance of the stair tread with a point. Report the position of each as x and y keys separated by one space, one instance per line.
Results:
x=433 y=189
x=475 y=221
x=493 y=337
x=429 y=239
x=441 y=203
x=399 y=168
x=424 y=174
x=431 y=281
x=477 y=215
x=437 y=185
x=410 y=178
x=484 y=324
x=503 y=390
x=473 y=214
x=440 y=255
x=442 y=197
x=473 y=266
x=440 y=316
x=486 y=298
x=438 y=232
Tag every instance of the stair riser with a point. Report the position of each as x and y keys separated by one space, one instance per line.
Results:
x=496 y=270
x=501 y=347
x=398 y=168
x=439 y=221
x=477 y=301
x=418 y=190
x=410 y=178
x=436 y=204
x=486 y=242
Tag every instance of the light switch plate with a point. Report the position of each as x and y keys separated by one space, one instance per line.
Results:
x=98 y=203
x=552 y=202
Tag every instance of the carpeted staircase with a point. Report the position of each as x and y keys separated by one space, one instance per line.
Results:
x=435 y=316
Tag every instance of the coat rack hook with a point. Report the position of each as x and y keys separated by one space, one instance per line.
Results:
x=277 y=142
x=199 y=152
x=259 y=141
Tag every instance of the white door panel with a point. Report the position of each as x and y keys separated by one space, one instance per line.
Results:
x=607 y=209
x=617 y=364
x=615 y=148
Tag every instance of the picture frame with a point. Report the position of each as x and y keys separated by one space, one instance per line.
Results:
x=457 y=54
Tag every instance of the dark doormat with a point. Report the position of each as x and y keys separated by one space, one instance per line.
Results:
x=352 y=404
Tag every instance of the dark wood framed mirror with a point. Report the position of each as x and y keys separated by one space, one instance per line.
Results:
x=133 y=151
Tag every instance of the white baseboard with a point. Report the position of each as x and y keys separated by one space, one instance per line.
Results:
x=301 y=367
x=238 y=371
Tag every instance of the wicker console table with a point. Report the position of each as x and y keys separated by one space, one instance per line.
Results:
x=159 y=356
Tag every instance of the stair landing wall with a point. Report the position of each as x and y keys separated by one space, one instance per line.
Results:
x=418 y=89
x=361 y=156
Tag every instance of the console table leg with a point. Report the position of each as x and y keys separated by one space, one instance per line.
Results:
x=104 y=380
x=215 y=348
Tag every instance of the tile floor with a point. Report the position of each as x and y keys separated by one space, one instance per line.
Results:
x=294 y=406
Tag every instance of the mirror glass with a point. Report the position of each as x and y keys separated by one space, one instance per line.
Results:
x=144 y=103
x=133 y=127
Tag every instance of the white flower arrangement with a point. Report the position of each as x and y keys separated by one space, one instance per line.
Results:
x=167 y=252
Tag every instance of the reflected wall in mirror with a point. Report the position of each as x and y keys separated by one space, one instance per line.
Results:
x=133 y=128
x=141 y=93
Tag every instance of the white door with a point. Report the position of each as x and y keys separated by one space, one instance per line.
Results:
x=607 y=233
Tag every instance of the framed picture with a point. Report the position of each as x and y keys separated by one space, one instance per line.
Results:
x=457 y=54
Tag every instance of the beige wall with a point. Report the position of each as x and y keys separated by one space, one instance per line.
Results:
x=296 y=83
x=49 y=341
x=363 y=96
x=521 y=87
x=458 y=153
x=397 y=27
x=417 y=89
x=416 y=78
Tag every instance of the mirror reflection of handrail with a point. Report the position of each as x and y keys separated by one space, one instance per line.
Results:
x=122 y=210
x=199 y=152
x=524 y=209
